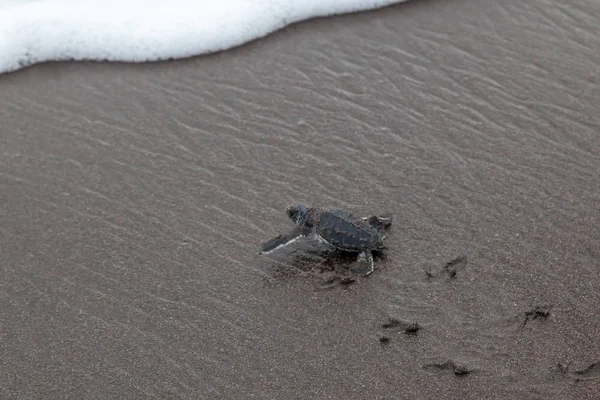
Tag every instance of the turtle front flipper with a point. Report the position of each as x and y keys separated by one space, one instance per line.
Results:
x=380 y=222
x=364 y=264
x=283 y=240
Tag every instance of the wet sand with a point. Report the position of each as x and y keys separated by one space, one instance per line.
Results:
x=134 y=198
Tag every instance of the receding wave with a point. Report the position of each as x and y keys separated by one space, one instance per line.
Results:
x=149 y=30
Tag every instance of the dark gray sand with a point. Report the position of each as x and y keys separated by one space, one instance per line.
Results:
x=134 y=198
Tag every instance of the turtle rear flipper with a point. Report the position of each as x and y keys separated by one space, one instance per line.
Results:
x=283 y=240
x=364 y=264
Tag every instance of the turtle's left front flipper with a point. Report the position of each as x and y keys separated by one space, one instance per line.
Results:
x=364 y=264
x=283 y=240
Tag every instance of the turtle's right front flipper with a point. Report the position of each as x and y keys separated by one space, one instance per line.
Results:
x=283 y=240
x=380 y=222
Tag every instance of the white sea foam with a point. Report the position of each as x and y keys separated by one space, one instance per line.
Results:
x=33 y=31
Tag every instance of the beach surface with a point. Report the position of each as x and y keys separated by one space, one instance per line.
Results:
x=134 y=199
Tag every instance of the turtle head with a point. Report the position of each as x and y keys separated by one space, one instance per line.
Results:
x=298 y=213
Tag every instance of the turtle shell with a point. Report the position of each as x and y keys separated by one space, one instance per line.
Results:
x=347 y=232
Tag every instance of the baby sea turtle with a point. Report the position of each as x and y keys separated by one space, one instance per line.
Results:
x=337 y=228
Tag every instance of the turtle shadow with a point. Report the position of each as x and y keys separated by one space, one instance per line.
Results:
x=344 y=260
x=325 y=266
x=336 y=268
